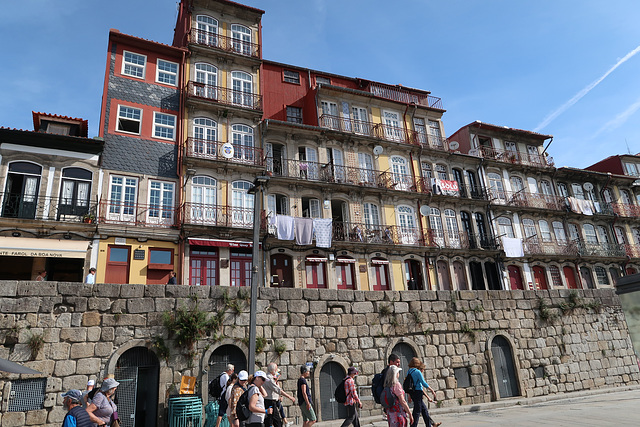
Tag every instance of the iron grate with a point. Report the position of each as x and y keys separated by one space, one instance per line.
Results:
x=27 y=395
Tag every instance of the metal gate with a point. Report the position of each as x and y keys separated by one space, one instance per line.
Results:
x=224 y=355
x=330 y=376
x=504 y=367
x=127 y=393
x=406 y=353
x=137 y=405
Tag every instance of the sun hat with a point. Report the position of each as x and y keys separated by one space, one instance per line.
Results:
x=108 y=384
x=243 y=375
x=75 y=395
x=260 y=374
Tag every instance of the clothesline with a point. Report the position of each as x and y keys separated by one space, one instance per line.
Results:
x=304 y=230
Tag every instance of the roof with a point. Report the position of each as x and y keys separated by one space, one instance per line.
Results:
x=149 y=45
x=37 y=121
x=51 y=140
x=478 y=124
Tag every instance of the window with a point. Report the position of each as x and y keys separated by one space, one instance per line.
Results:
x=164 y=126
x=427 y=173
x=241 y=37
x=558 y=230
x=207 y=30
x=206 y=81
x=242 y=137
x=242 y=203
x=435 y=224
x=161 y=201
x=122 y=197
x=545 y=233
x=554 y=271
x=129 y=119
x=329 y=116
x=294 y=114
x=631 y=168
x=574 y=234
x=310 y=208
x=603 y=235
x=421 y=130
x=371 y=214
x=167 y=72
x=434 y=133
x=578 y=193
x=291 y=77
x=203 y=199
x=323 y=80
x=161 y=258
x=505 y=228
x=529 y=229
x=562 y=190
x=441 y=172
x=407 y=223
x=75 y=191
x=601 y=276
x=589 y=233
x=360 y=120
x=277 y=204
x=204 y=136
x=625 y=196
x=496 y=190
x=392 y=129
x=133 y=64
x=242 y=84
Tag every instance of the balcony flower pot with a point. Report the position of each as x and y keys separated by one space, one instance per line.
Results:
x=88 y=219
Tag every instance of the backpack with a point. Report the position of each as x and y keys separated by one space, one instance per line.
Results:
x=377 y=386
x=242 y=407
x=340 y=393
x=387 y=398
x=408 y=386
x=215 y=389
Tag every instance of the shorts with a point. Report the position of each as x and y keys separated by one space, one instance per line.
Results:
x=222 y=408
x=307 y=414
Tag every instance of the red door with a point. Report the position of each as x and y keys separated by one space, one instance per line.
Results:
x=631 y=270
x=240 y=269
x=203 y=267
x=281 y=271
x=540 y=277
x=117 y=268
x=345 y=275
x=442 y=267
x=515 y=278
x=570 y=277
x=380 y=270
x=316 y=274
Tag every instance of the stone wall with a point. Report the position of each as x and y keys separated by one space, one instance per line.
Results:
x=572 y=340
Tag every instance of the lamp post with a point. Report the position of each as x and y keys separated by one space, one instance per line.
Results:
x=256 y=277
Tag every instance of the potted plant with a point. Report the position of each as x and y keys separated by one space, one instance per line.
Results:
x=88 y=218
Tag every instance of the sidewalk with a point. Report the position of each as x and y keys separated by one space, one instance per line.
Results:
x=614 y=406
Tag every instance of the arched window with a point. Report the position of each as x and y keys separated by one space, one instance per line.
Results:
x=545 y=232
x=558 y=230
x=75 y=191
x=608 y=196
x=206 y=81
x=371 y=214
x=625 y=197
x=435 y=224
x=453 y=232
x=562 y=189
x=400 y=173
x=620 y=235
x=529 y=227
x=505 y=228
x=203 y=199
x=578 y=192
x=242 y=137
x=545 y=188
x=242 y=85
x=441 y=172
x=407 y=225
x=427 y=171
x=205 y=135
x=242 y=203
x=241 y=37
x=21 y=190
x=590 y=233
x=556 y=279
x=603 y=234
x=496 y=189
x=206 y=30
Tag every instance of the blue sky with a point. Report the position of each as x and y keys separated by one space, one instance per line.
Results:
x=566 y=68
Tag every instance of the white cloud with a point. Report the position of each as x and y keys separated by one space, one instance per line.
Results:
x=620 y=119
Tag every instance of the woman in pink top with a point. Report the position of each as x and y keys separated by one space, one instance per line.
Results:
x=397 y=415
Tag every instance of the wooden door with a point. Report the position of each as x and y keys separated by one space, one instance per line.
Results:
x=117 y=268
x=281 y=271
x=515 y=278
x=570 y=277
x=540 y=278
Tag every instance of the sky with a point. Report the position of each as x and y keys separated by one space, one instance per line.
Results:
x=566 y=68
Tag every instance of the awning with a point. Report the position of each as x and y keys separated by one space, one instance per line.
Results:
x=15 y=368
x=43 y=248
x=379 y=261
x=345 y=260
x=316 y=259
x=221 y=243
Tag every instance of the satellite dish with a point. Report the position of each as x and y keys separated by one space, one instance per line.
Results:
x=377 y=150
x=227 y=150
x=454 y=145
x=425 y=210
x=588 y=186
x=474 y=152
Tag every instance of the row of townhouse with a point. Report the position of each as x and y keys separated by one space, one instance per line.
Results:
x=364 y=190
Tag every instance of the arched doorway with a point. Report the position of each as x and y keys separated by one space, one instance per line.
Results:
x=504 y=367
x=331 y=375
x=570 y=276
x=540 y=278
x=413 y=269
x=281 y=271
x=444 y=279
x=406 y=353
x=515 y=278
x=459 y=276
x=224 y=355
x=137 y=371
x=587 y=279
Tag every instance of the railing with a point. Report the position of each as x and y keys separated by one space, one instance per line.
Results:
x=373 y=130
x=424 y=185
x=632 y=251
x=230 y=44
x=24 y=206
x=537 y=247
x=138 y=214
x=224 y=95
x=217 y=215
x=405 y=96
x=626 y=210
x=377 y=234
x=211 y=150
x=432 y=142
x=459 y=240
x=608 y=250
x=517 y=157
x=526 y=199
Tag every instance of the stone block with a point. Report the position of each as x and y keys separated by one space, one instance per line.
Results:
x=155 y=291
x=89 y=366
x=105 y=290
x=301 y=306
x=317 y=307
x=14 y=418
x=140 y=305
x=94 y=333
x=91 y=318
x=132 y=291
x=362 y=307
x=82 y=350
x=99 y=304
x=65 y=368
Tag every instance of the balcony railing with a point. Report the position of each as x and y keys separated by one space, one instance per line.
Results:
x=608 y=250
x=229 y=44
x=537 y=247
x=526 y=199
x=137 y=214
x=217 y=215
x=425 y=185
x=516 y=157
x=370 y=129
x=377 y=234
x=405 y=96
x=212 y=150
x=224 y=95
x=632 y=251
x=626 y=210
x=459 y=240
x=24 y=206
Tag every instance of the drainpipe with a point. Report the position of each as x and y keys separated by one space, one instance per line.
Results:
x=180 y=168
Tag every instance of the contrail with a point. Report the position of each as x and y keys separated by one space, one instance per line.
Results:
x=618 y=120
x=584 y=91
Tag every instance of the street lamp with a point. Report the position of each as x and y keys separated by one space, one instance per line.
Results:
x=256 y=277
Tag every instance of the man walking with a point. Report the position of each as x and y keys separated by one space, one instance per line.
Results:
x=91 y=277
x=222 y=402
x=76 y=416
x=304 y=398
x=353 y=401
x=274 y=392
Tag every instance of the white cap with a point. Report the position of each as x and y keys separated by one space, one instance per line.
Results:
x=91 y=382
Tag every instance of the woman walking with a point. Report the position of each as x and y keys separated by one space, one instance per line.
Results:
x=420 y=387
x=256 y=401
x=236 y=391
x=398 y=413
x=102 y=410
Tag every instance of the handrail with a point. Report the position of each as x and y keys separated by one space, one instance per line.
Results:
x=211 y=150
x=229 y=44
x=224 y=95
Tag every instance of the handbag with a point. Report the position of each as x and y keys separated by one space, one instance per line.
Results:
x=115 y=421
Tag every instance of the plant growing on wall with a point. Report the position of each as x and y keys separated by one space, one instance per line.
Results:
x=35 y=344
x=188 y=326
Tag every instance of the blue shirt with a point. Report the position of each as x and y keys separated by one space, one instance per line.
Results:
x=418 y=379
x=77 y=417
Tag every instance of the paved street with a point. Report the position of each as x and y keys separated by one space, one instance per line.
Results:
x=613 y=407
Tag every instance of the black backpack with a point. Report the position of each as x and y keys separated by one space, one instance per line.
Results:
x=215 y=389
x=340 y=393
x=242 y=407
x=377 y=386
x=408 y=386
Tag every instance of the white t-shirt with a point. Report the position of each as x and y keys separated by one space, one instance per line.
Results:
x=256 y=417
x=224 y=378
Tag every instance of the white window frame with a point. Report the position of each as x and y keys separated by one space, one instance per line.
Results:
x=170 y=74
x=133 y=65
x=162 y=212
x=125 y=206
x=132 y=119
x=290 y=76
x=164 y=127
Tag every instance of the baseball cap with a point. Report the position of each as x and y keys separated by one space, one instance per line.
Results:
x=260 y=374
x=75 y=395
x=352 y=370
x=90 y=383
x=243 y=375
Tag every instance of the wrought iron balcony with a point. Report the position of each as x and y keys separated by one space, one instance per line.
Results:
x=25 y=206
x=623 y=209
x=138 y=214
x=217 y=215
x=526 y=199
x=425 y=185
x=405 y=96
x=212 y=150
x=376 y=234
x=552 y=247
x=229 y=44
x=516 y=157
x=603 y=250
x=632 y=251
x=370 y=129
x=224 y=95
x=459 y=240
